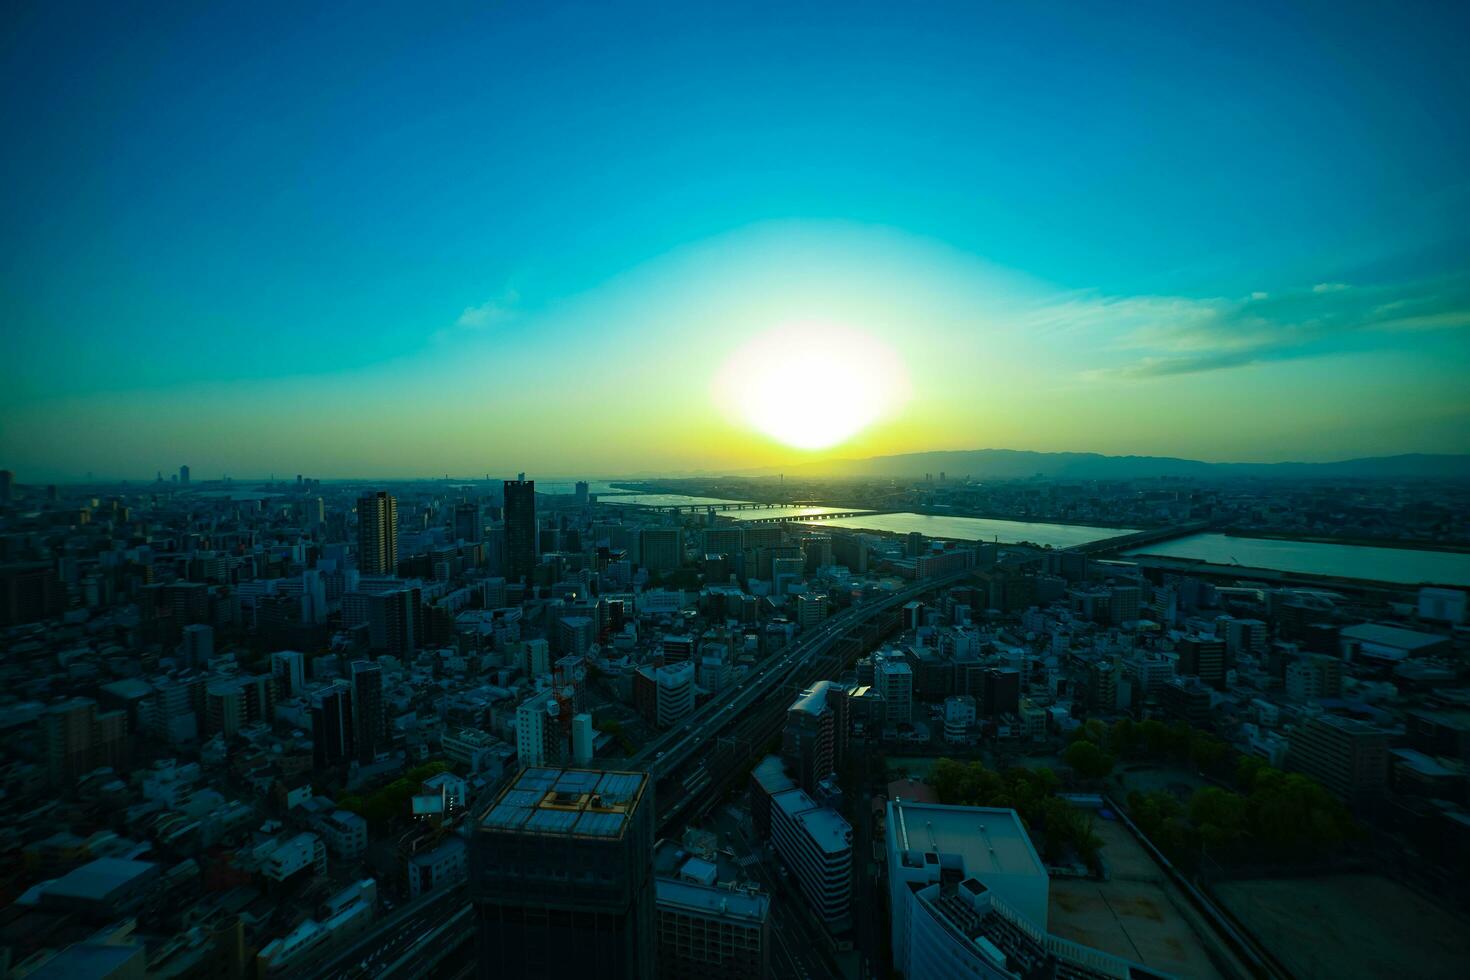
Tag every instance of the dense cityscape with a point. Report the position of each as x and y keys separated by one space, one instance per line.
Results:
x=483 y=727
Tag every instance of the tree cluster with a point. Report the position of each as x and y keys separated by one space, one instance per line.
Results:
x=1276 y=817
x=1057 y=828
x=389 y=803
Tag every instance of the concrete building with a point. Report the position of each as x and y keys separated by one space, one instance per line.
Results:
x=522 y=535
x=927 y=843
x=332 y=738
x=959 y=719
x=369 y=721
x=443 y=865
x=674 y=692
x=711 y=933
x=809 y=738
x=1348 y=756
x=288 y=667
x=377 y=533
x=583 y=738
x=815 y=844
x=895 y=682
x=537 y=741
x=561 y=875
x=661 y=549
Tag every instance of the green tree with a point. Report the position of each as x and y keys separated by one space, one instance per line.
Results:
x=1087 y=760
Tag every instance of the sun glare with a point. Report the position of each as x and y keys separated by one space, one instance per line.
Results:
x=811 y=385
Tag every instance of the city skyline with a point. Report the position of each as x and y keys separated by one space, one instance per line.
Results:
x=385 y=245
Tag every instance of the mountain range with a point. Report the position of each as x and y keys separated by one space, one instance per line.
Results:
x=1013 y=464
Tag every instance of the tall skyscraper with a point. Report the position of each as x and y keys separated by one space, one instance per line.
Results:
x=521 y=544
x=582 y=494
x=561 y=873
x=367 y=709
x=467 y=521
x=183 y=476
x=377 y=533
x=331 y=725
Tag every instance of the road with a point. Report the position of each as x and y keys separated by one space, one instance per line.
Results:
x=668 y=752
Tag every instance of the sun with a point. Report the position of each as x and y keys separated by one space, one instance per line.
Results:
x=811 y=385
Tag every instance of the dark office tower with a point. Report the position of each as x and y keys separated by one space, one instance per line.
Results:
x=377 y=533
x=183 y=476
x=7 y=486
x=467 y=521
x=561 y=874
x=367 y=709
x=331 y=725
x=521 y=533
x=582 y=493
x=52 y=494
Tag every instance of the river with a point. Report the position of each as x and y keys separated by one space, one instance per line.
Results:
x=980 y=529
x=1405 y=566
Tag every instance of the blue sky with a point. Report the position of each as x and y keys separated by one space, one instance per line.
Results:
x=221 y=218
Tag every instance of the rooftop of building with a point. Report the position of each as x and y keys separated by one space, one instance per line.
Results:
x=825 y=826
x=567 y=803
x=989 y=840
x=99 y=879
x=712 y=900
x=813 y=700
x=1391 y=636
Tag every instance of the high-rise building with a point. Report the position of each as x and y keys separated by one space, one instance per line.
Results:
x=811 y=609
x=331 y=725
x=675 y=692
x=809 y=738
x=522 y=540
x=1102 y=684
x=661 y=549
x=183 y=476
x=467 y=521
x=536 y=728
x=895 y=682
x=561 y=875
x=224 y=707
x=1346 y=755
x=197 y=645
x=377 y=533
x=1203 y=657
x=582 y=494
x=815 y=844
x=584 y=737
x=368 y=718
x=67 y=733
x=288 y=667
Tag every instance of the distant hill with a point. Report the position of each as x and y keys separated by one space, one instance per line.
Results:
x=1014 y=464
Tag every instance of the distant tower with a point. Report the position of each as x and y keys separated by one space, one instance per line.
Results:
x=521 y=533
x=467 y=521
x=582 y=493
x=367 y=709
x=183 y=476
x=377 y=533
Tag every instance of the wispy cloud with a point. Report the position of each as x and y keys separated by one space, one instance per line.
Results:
x=1169 y=335
x=489 y=314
